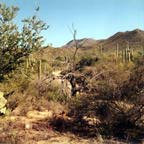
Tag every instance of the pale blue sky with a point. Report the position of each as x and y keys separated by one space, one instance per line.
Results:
x=97 y=19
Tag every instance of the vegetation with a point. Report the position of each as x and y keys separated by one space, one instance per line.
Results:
x=81 y=93
x=16 y=44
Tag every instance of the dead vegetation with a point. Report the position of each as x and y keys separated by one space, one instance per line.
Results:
x=104 y=102
x=91 y=93
x=109 y=109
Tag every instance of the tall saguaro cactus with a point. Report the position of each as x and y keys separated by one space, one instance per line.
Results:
x=101 y=49
x=123 y=55
x=39 y=69
x=126 y=54
x=117 y=50
x=27 y=63
x=143 y=51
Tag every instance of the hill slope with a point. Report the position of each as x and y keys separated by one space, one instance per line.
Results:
x=134 y=38
x=85 y=42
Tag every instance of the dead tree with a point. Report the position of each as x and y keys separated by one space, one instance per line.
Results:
x=78 y=83
x=74 y=33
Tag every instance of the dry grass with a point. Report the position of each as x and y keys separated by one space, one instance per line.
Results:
x=30 y=120
x=13 y=131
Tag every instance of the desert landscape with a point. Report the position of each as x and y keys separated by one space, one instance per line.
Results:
x=88 y=91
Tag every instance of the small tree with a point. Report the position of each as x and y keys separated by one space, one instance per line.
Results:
x=31 y=38
x=16 y=44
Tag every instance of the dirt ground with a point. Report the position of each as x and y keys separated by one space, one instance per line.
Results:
x=34 y=128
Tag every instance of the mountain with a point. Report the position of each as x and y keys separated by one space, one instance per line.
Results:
x=134 y=38
x=82 y=43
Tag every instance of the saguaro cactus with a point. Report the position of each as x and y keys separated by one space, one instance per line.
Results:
x=39 y=69
x=132 y=53
x=117 y=50
x=101 y=49
x=143 y=51
x=127 y=54
x=123 y=55
x=27 y=64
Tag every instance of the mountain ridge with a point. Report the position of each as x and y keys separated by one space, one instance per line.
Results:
x=134 y=37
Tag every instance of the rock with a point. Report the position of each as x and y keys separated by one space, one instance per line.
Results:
x=62 y=84
x=16 y=111
x=56 y=73
x=3 y=110
x=92 y=121
x=39 y=115
x=3 y=102
x=28 y=125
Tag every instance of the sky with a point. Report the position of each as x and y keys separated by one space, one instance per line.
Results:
x=98 y=19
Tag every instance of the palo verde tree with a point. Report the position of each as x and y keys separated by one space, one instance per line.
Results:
x=31 y=38
x=15 y=44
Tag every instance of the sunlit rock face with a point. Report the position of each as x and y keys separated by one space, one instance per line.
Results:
x=61 y=83
x=3 y=102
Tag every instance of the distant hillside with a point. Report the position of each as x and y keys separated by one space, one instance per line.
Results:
x=82 y=43
x=135 y=38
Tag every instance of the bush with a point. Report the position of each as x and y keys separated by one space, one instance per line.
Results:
x=85 y=62
x=16 y=44
x=114 y=100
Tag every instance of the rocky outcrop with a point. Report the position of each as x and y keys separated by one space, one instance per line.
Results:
x=69 y=83
x=3 y=102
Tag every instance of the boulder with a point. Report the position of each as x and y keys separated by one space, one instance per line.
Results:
x=3 y=102
x=39 y=115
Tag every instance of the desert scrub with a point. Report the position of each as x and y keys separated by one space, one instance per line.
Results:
x=56 y=94
x=85 y=61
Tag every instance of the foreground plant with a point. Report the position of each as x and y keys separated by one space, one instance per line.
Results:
x=15 y=44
